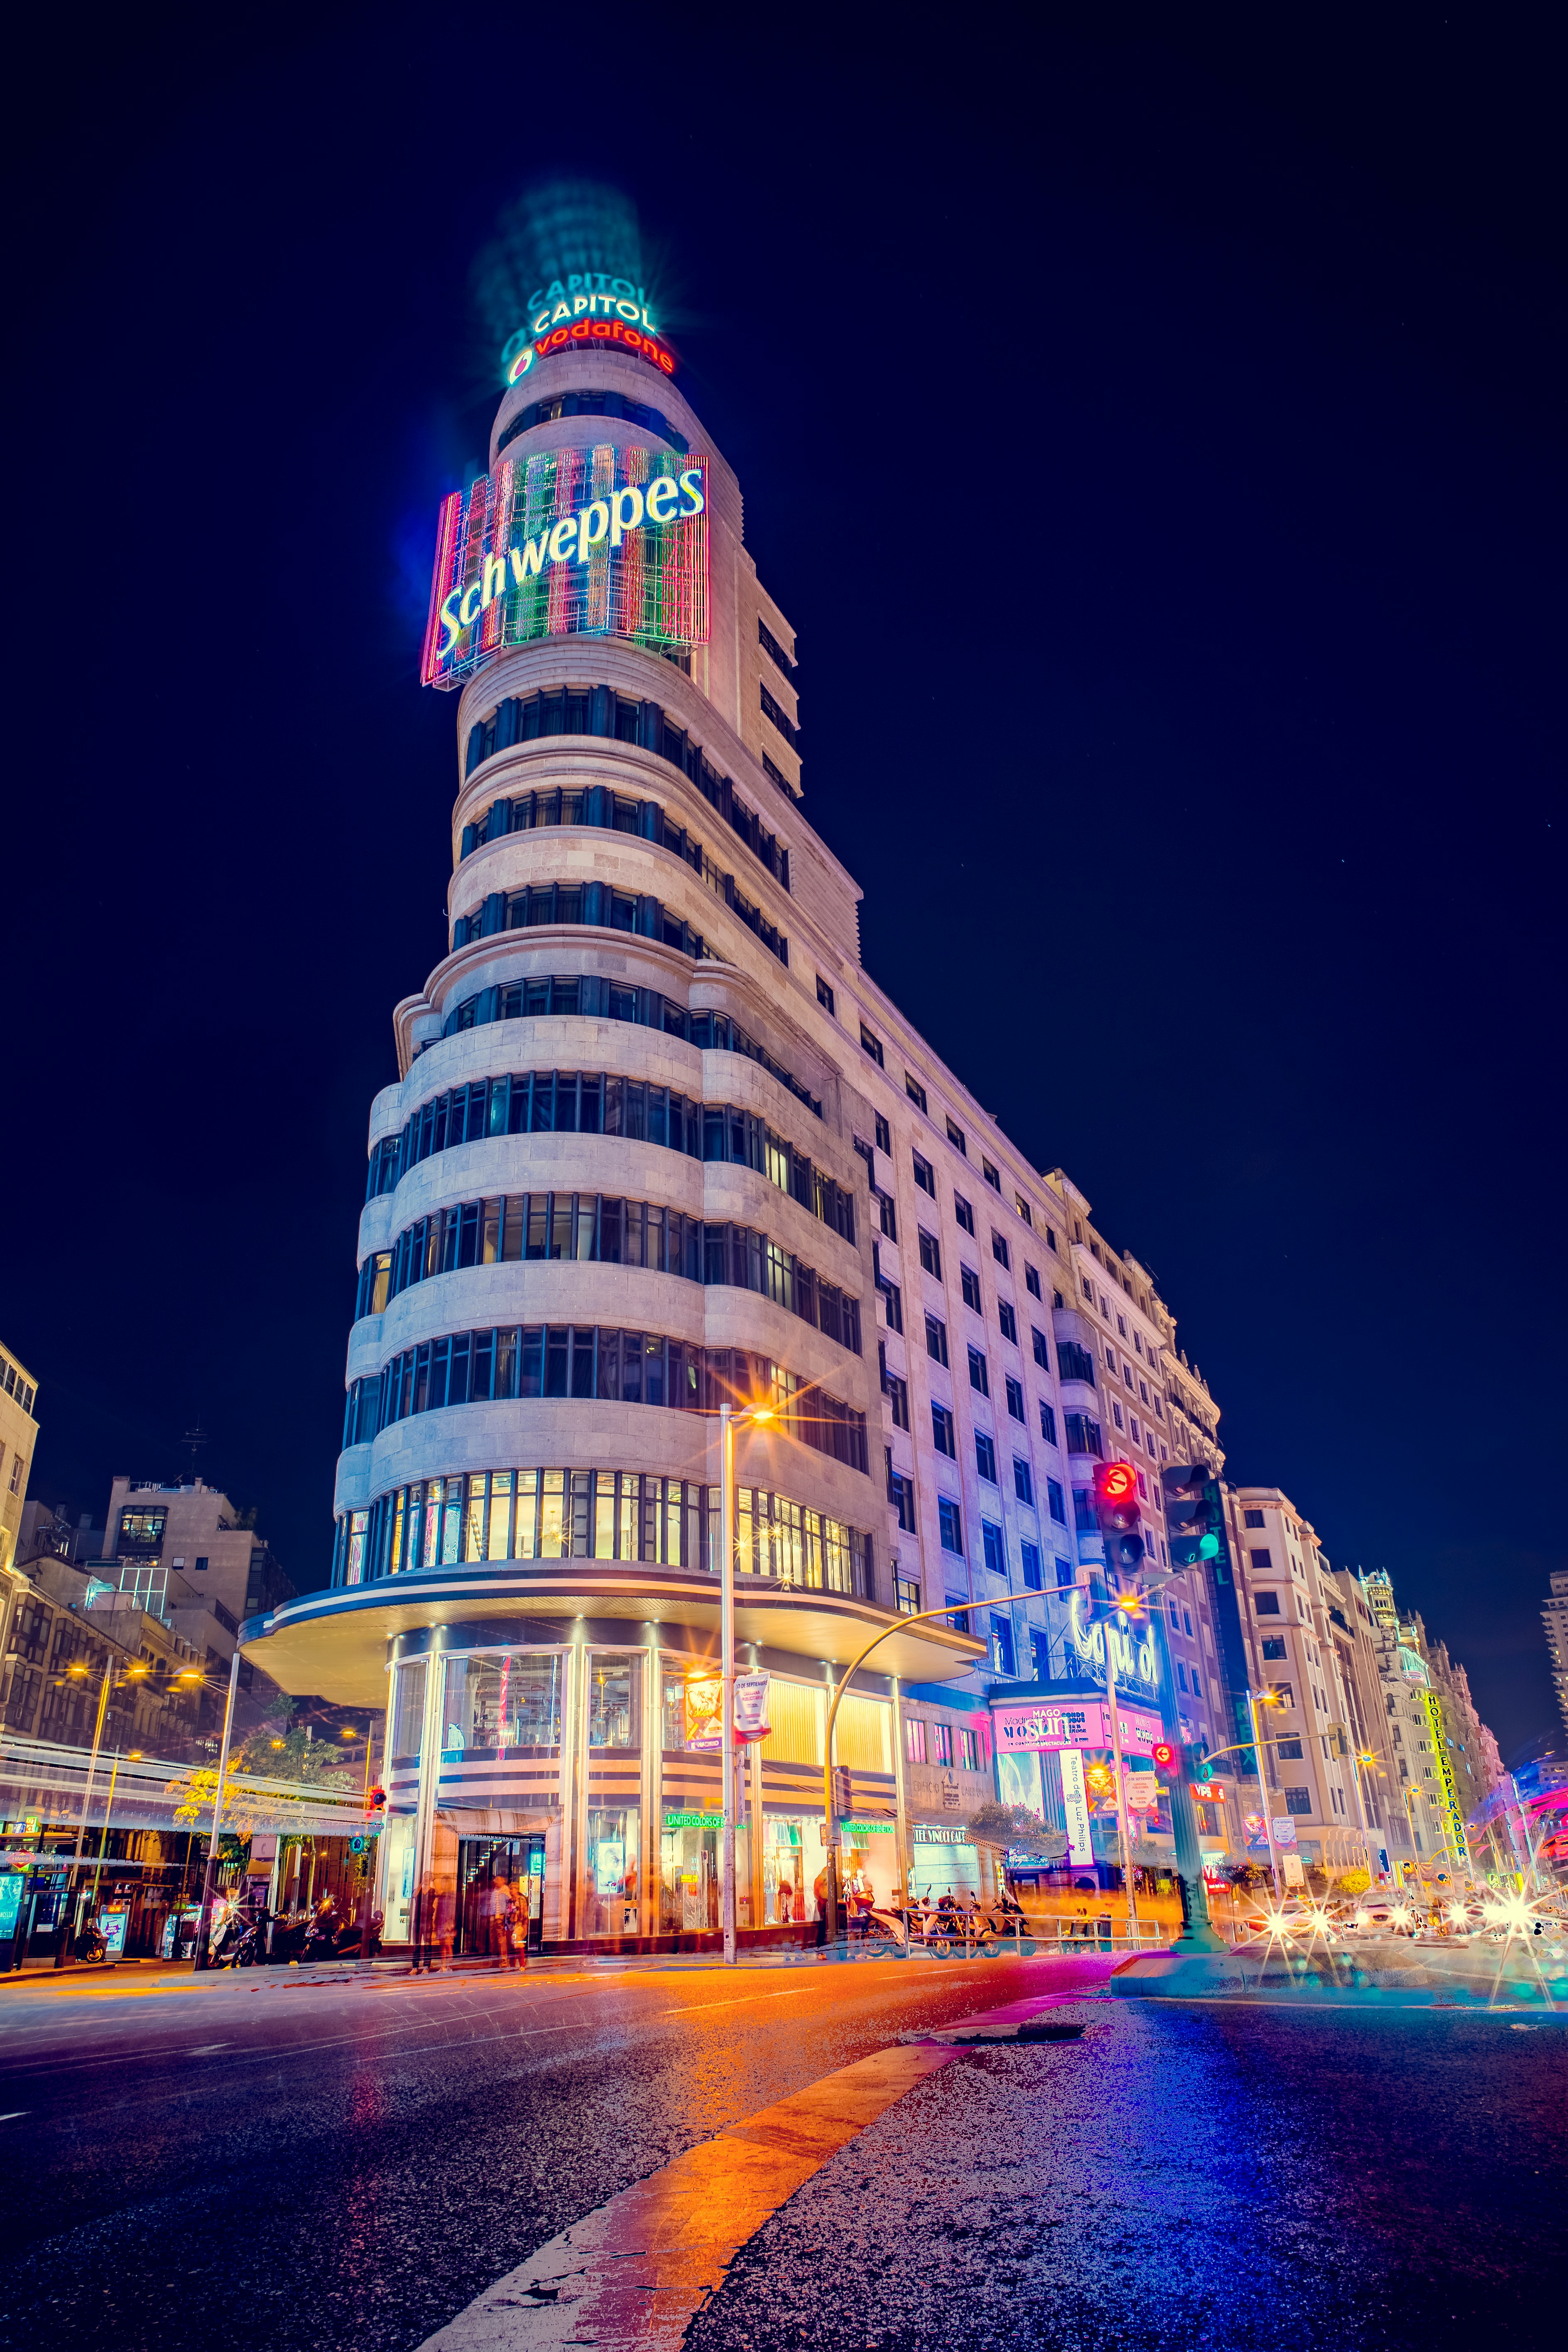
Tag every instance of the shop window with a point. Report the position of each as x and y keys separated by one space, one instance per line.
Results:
x=611 y=1895
x=615 y=1699
x=500 y=1702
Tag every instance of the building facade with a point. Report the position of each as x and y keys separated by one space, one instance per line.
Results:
x=18 y=1435
x=1554 y=1620
x=658 y=1141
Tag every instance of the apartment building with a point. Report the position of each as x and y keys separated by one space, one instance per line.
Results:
x=18 y=1435
x=1554 y=1620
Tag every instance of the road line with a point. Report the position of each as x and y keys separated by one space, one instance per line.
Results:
x=633 y=2272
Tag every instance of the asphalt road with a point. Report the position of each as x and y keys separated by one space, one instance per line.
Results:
x=267 y=2161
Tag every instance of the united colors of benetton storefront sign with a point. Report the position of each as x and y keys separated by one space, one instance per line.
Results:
x=601 y=542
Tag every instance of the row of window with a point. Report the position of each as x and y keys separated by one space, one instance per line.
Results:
x=592 y=904
x=934 y=1743
x=581 y=1102
x=599 y=711
x=507 y=1515
x=605 y=1000
x=594 y=1229
x=592 y=403
x=11 y=1381
x=585 y=1360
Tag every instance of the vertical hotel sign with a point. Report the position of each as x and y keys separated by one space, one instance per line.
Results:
x=600 y=542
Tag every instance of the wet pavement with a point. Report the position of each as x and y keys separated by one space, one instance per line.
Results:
x=269 y=2161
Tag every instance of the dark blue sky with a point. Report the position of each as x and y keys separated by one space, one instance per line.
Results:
x=1185 y=403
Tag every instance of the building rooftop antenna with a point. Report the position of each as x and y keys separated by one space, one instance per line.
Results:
x=195 y=1439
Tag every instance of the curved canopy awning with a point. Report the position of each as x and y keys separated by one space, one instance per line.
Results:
x=335 y=1644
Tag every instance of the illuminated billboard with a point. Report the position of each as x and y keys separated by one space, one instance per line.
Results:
x=601 y=542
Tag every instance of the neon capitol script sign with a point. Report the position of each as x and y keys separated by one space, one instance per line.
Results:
x=1131 y=1648
x=601 y=542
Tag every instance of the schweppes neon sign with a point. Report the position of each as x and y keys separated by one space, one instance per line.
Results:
x=572 y=542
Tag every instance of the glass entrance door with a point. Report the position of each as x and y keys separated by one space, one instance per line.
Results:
x=501 y=1884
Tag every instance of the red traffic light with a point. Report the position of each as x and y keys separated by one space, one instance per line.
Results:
x=1116 y=1483
x=1163 y=1756
x=377 y=1800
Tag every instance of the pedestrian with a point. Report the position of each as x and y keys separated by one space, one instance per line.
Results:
x=819 y=1890
x=445 y=1925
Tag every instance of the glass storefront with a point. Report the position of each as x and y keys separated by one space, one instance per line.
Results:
x=502 y=1703
x=397 y=1846
x=689 y=1867
x=792 y=1861
x=943 y=1861
x=500 y=1896
x=868 y=1872
x=612 y=1891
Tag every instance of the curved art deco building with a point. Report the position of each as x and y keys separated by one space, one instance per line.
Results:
x=619 y=1180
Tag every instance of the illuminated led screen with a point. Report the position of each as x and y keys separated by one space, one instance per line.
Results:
x=600 y=542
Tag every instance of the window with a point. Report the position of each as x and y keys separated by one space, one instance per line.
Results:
x=1065 y=1576
x=1041 y=1353
x=1048 y=1423
x=999 y=1250
x=884 y=1139
x=941 y=1743
x=969 y=1751
x=1116 y=1414
x=985 y=1457
x=1002 y=1646
x=907 y=1596
x=968 y=1283
x=16 y=1473
x=1121 y=1325
x=901 y=1495
x=1286 y=1694
x=951 y=1525
x=1034 y=1578
x=925 y=1174
x=892 y=1302
x=1023 y=1480
x=872 y=1045
x=1274 y=1645
x=1008 y=1322
x=964 y=1213
x=825 y=995
x=1260 y=1558
x=994 y=1550
x=936 y=1340
x=1287 y=1751
x=1196 y=1685
x=1074 y=1363
x=1031 y=1281
x=897 y=1392
x=941 y=1432
x=1252 y=1518
x=1298 y=1800
x=1023 y=1208
x=915 y=1091
x=1083 y=1434
x=1181 y=1674
x=886 y=1215
x=955 y=1137
x=203 y=1562
x=978 y=1378
x=1016 y=1399
x=914 y=1739
x=1055 y=1503
x=1266 y=1605
x=930 y=1254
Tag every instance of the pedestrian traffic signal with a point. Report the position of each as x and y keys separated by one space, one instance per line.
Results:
x=1192 y=1512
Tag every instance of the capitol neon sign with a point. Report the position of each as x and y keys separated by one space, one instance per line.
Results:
x=1134 y=1660
x=594 y=307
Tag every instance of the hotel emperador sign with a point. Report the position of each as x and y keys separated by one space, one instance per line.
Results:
x=601 y=542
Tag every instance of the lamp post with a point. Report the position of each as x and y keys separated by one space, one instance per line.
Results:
x=210 y=1881
x=62 y=1939
x=758 y=1416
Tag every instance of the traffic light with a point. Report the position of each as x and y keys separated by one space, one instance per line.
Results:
x=1164 y=1756
x=1192 y=1512
x=1116 y=1510
x=376 y=1802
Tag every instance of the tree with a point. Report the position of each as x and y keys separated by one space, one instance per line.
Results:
x=1016 y=1827
x=281 y=1751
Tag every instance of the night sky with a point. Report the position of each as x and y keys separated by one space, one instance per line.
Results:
x=1154 y=438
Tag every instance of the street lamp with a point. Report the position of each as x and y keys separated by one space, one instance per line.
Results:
x=756 y=1416
x=209 y=1882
